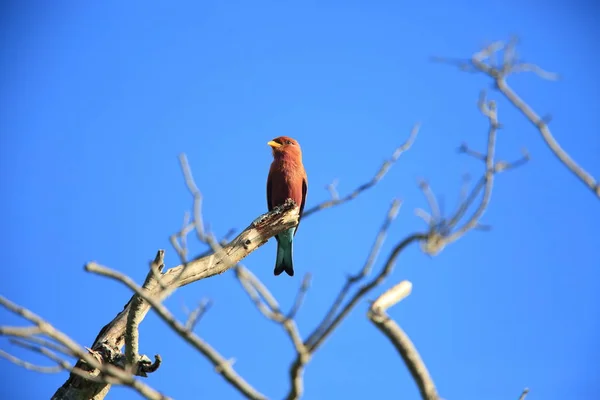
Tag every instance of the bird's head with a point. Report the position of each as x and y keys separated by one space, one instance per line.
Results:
x=283 y=145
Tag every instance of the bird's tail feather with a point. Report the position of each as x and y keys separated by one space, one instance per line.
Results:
x=285 y=252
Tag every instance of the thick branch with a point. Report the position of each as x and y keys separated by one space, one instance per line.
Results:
x=222 y=365
x=109 y=372
x=135 y=315
x=378 y=316
x=112 y=336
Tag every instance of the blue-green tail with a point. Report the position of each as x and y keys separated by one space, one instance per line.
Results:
x=285 y=251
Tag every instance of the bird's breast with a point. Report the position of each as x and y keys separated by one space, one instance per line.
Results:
x=286 y=182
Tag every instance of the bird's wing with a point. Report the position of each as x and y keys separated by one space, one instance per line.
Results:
x=269 y=204
x=304 y=190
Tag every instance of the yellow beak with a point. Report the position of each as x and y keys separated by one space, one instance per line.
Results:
x=273 y=144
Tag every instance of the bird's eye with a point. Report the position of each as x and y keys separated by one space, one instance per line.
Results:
x=288 y=142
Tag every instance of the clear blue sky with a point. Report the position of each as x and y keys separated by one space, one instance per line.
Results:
x=97 y=101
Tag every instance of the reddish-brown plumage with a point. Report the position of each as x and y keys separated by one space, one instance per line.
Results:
x=287 y=179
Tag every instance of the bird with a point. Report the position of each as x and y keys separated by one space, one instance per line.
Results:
x=287 y=179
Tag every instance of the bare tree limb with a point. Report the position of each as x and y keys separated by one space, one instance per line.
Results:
x=337 y=200
x=354 y=279
x=304 y=286
x=265 y=302
x=483 y=62
x=268 y=306
x=32 y=367
x=114 y=374
x=136 y=315
x=222 y=365
x=445 y=231
x=197 y=314
x=297 y=368
x=378 y=316
x=112 y=336
x=524 y=394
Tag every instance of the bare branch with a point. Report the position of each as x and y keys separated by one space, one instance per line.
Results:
x=354 y=279
x=179 y=239
x=489 y=110
x=197 y=314
x=337 y=200
x=268 y=306
x=332 y=189
x=552 y=143
x=391 y=297
x=222 y=366
x=136 y=315
x=366 y=288
x=43 y=327
x=431 y=200
x=300 y=295
x=191 y=185
x=321 y=333
x=46 y=344
x=265 y=302
x=378 y=316
x=524 y=394
x=445 y=231
x=482 y=62
x=30 y=366
x=62 y=364
x=111 y=337
x=464 y=148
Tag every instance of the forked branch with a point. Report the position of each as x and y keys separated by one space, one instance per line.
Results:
x=484 y=61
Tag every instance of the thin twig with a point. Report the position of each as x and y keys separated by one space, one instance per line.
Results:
x=197 y=314
x=337 y=200
x=354 y=279
x=445 y=231
x=431 y=200
x=524 y=394
x=265 y=302
x=490 y=111
x=32 y=367
x=304 y=286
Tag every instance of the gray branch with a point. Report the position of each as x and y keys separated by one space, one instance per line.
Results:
x=112 y=337
x=378 y=316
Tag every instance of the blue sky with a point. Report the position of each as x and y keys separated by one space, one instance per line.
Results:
x=98 y=100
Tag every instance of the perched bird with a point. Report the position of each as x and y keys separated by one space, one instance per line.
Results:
x=287 y=180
